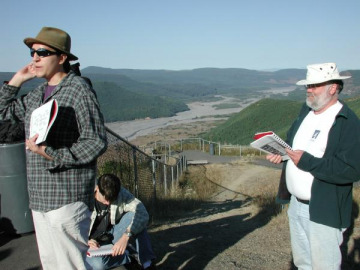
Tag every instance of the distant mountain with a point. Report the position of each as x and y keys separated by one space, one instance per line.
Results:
x=119 y=104
x=217 y=77
x=127 y=94
x=183 y=92
x=190 y=84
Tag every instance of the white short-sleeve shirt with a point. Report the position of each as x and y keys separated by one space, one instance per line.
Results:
x=311 y=137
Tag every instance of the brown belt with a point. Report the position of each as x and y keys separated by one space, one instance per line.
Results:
x=302 y=201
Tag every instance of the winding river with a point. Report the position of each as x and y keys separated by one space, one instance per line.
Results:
x=198 y=111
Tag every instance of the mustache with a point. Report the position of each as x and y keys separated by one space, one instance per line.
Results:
x=310 y=95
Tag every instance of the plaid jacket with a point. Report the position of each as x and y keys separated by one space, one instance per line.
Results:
x=75 y=141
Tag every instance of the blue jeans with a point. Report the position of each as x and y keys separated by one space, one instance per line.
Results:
x=314 y=246
x=143 y=247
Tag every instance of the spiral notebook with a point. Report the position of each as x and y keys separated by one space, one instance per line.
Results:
x=270 y=143
x=101 y=251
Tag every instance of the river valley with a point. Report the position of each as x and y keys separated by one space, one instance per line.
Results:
x=198 y=112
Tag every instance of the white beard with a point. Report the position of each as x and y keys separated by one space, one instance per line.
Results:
x=319 y=101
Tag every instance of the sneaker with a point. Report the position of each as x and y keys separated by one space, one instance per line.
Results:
x=151 y=267
x=133 y=265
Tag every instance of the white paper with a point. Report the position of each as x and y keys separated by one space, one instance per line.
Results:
x=101 y=251
x=272 y=144
x=42 y=119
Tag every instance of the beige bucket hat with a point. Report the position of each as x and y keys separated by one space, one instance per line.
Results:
x=319 y=73
x=55 y=38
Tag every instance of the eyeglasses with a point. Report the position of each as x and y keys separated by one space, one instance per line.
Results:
x=315 y=85
x=42 y=52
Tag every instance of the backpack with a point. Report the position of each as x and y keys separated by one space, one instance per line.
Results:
x=11 y=132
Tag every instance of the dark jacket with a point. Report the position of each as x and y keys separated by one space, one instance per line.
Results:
x=334 y=173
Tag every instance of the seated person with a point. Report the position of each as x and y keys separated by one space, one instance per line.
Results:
x=117 y=217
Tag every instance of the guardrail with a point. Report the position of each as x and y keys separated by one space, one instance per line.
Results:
x=147 y=177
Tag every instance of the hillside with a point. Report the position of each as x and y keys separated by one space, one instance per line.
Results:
x=183 y=92
x=264 y=115
x=118 y=104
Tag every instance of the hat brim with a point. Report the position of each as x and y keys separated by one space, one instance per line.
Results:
x=30 y=41
x=305 y=82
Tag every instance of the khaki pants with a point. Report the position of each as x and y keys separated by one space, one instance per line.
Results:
x=62 y=236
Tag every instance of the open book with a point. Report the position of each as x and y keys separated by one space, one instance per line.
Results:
x=271 y=143
x=42 y=119
x=101 y=251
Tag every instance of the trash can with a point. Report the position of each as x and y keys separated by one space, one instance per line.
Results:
x=15 y=215
x=211 y=149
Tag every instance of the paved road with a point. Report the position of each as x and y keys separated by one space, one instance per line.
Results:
x=20 y=252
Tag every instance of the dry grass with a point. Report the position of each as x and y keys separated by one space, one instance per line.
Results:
x=193 y=189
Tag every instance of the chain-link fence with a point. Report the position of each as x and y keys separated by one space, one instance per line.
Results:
x=213 y=148
x=147 y=177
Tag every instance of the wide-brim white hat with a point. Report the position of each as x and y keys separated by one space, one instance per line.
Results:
x=319 y=73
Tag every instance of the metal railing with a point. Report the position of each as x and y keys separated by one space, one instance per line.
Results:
x=196 y=143
x=147 y=177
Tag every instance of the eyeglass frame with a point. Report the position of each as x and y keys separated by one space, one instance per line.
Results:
x=316 y=85
x=43 y=52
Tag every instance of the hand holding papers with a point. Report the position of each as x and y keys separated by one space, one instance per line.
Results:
x=271 y=143
x=42 y=119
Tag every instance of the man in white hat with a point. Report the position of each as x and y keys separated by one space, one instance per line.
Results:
x=323 y=166
x=61 y=171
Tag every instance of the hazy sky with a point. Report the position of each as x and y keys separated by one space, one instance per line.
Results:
x=188 y=34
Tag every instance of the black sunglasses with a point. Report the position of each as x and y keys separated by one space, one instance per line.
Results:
x=42 y=52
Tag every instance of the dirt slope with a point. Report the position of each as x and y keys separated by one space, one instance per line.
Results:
x=235 y=229
x=230 y=231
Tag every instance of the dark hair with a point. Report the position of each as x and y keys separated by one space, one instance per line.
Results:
x=109 y=186
x=74 y=67
x=67 y=66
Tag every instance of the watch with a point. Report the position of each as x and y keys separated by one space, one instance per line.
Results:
x=128 y=233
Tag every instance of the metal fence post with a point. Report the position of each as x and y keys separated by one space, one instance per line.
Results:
x=165 y=182
x=184 y=163
x=172 y=179
x=135 y=172
x=177 y=172
x=154 y=176
x=180 y=162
